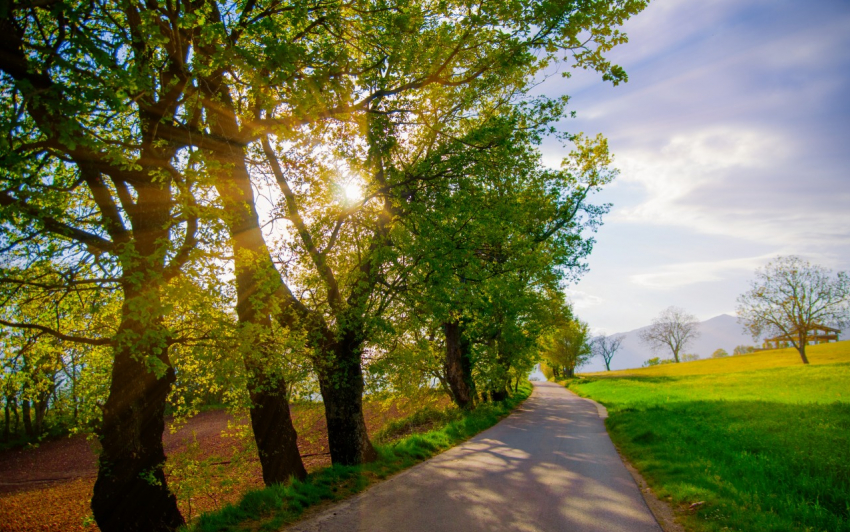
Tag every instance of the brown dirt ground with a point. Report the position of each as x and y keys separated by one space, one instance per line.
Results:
x=48 y=488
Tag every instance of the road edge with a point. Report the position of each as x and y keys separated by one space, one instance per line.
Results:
x=661 y=509
x=317 y=511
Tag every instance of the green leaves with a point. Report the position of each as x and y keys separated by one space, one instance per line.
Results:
x=134 y=163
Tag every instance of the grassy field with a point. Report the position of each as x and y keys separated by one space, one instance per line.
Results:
x=833 y=353
x=762 y=440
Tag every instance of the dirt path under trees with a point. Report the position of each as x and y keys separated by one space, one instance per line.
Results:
x=48 y=488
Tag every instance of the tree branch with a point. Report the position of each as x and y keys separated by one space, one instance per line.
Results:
x=57 y=334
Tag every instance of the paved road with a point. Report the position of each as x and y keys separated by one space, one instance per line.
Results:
x=549 y=466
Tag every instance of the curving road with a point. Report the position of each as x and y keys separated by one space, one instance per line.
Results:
x=549 y=466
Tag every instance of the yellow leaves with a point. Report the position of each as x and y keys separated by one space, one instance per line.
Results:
x=590 y=161
x=58 y=507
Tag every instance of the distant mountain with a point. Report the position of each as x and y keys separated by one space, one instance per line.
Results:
x=720 y=332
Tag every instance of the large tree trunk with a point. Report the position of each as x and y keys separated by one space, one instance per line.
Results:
x=801 y=342
x=341 y=382
x=274 y=433
x=6 y=412
x=25 y=411
x=131 y=493
x=271 y=420
x=257 y=280
x=458 y=366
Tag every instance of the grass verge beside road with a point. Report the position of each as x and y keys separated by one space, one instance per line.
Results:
x=763 y=450
x=272 y=508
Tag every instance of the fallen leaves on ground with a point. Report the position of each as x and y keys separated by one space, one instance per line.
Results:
x=211 y=463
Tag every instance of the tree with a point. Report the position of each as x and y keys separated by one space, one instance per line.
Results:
x=606 y=347
x=673 y=328
x=402 y=87
x=719 y=353
x=96 y=189
x=789 y=297
x=743 y=350
x=488 y=239
x=567 y=347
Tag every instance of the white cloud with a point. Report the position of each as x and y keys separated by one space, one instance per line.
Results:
x=691 y=159
x=673 y=276
x=582 y=300
x=737 y=181
x=731 y=137
x=678 y=275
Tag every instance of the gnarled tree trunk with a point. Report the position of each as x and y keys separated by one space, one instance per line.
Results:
x=131 y=493
x=341 y=382
x=274 y=433
x=458 y=365
x=271 y=419
x=25 y=411
x=257 y=280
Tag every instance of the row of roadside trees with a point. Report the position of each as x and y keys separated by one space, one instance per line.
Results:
x=251 y=202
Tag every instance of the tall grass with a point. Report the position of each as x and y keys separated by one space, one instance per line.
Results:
x=271 y=508
x=764 y=450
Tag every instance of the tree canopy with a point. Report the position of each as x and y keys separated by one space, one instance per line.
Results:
x=605 y=347
x=248 y=202
x=790 y=297
x=674 y=329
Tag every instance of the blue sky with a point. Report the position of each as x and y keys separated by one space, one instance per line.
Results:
x=733 y=140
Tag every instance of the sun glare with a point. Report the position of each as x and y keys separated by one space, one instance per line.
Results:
x=352 y=192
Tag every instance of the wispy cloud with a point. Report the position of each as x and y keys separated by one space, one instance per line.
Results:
x=673 y=276
x=582 y=300
x=731 y=137
x=743 y=182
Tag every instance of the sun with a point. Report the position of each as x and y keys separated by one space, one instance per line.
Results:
x=352 y=191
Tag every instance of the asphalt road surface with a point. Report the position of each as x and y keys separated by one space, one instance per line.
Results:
x=549 y=466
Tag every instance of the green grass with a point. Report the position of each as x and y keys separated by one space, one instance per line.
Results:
x=271 y=508
x=766 y=450
x=775 y=358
